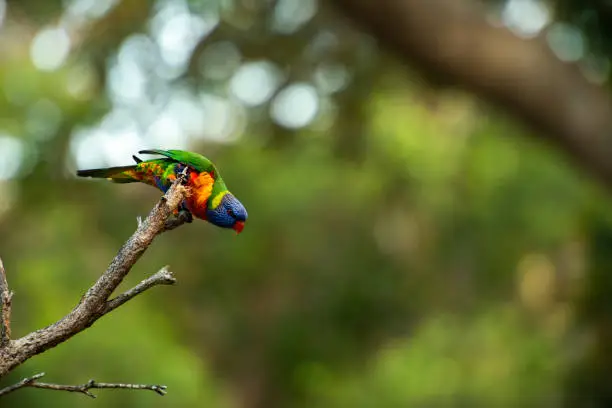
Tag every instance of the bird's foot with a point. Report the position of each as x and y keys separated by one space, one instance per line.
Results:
x=184 y=176
x=185 y=215
x=179 y=218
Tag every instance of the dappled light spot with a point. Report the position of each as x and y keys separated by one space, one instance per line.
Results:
x=526 y=17
x=166 y=133
x=43 y=119
x=112 y=143
x=295 y=106
x=177 y=32
x=2 y=11
x=224 y=121
x=326 y=117
x=123 y=137
x=220 y=60
x=141 y=50
x=566 y=41
x=187 y=110
x=82 y=81
x=11 y=154
x=536 y=275
x=86 y=145
x=331 y=77
x=132 y=70
x=50 y=48
x=322 y=43
x=255 y=82
x=290 y=15
x=126 y=81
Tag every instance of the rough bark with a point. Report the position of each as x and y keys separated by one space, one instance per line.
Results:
x=95 y=302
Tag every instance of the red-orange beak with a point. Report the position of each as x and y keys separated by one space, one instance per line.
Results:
x=238 y=226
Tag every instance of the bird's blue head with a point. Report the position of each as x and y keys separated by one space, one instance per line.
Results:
x=228 y=213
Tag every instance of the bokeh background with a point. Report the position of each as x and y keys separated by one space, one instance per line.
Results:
x=408 y=245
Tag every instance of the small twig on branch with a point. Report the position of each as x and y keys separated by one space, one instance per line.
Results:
x=163 y=277
x=32 y=382
x=5 y=308
x=95 y=304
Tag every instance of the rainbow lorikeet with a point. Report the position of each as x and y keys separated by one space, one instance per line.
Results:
x=209 y=198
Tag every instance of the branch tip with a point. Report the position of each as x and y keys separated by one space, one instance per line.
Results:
x=165 y=276
x=161 y=277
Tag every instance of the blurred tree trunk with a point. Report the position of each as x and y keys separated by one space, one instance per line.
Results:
x=451 y=42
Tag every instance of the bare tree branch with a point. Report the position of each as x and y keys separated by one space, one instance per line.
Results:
x=94 y=304
x=32 y=382
x=163 y=277
x=5 y=308
x=452 y=41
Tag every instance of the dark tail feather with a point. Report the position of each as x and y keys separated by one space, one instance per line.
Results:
x=137 y=159
x=123 y=174
x=155 y=151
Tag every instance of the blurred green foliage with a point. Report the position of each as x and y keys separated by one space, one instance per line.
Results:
x=404 y=248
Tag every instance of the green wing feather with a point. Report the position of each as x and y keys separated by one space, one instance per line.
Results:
x=194 y=160
x=148 y=172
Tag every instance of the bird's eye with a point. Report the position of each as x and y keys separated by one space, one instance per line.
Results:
x=230 y=212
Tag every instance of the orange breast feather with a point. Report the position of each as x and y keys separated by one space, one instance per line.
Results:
x=201 y=187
